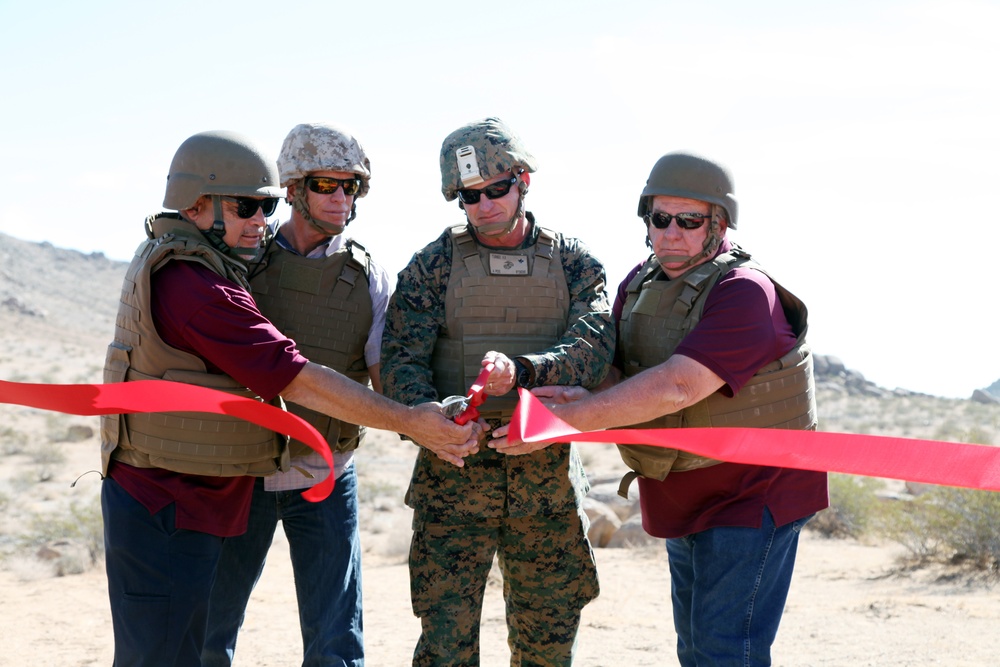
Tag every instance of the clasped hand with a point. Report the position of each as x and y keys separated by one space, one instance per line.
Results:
x=451 y=442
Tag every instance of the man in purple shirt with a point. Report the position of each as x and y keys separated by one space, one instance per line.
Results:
x=177 y=485
x=707 y=338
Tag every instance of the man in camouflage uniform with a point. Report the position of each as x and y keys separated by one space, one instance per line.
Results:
x=325 y=292
x=498 y=288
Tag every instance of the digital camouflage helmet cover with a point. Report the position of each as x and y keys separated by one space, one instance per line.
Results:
x=313 y=147
x=479 y=151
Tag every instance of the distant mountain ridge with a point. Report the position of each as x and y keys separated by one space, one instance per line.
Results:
x=994 y=389
x=73 y=293
x=55 y=294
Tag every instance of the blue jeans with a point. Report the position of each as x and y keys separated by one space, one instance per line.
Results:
x=728 y=587
x=159 y=580
x=326 y=561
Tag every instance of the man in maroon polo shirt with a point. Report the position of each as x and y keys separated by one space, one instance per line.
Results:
x=177 y=485
x=707 y=338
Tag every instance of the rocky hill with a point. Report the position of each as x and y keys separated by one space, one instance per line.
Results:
x=994 y=389
x=55 y=304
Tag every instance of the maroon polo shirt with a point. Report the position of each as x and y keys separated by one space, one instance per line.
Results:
x=742 y=329
x=198 y=311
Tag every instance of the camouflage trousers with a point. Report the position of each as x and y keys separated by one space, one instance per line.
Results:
x=549 y=575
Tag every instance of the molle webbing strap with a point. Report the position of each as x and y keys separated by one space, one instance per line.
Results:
x=360 y=262
x=360 y=255
x=346 y=281
x=695 y=282
x=466 y=247
x=544 y=251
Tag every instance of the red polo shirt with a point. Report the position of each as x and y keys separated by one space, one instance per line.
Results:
x=742 y=329
x=200 y=312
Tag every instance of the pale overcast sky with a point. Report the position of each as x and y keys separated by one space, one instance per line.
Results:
x=862 y=135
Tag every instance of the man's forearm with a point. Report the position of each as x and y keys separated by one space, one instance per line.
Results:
x=674 y=385
x=324 y=390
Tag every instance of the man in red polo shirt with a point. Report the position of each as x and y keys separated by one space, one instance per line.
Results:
x=707 y=338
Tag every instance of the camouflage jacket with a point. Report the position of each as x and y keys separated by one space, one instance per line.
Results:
x=491 y=484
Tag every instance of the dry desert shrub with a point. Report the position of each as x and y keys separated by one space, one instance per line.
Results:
x=941 y=525
x=947 y=525
x=853 y=504
x=78 y=524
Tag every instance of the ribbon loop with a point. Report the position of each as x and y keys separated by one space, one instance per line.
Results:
x=165 y=396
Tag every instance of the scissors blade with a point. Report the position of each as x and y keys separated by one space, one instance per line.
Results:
x=453 y=406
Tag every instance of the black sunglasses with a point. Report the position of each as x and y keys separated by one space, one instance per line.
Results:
x=246 y=207
x=492 y=191
x=684 y=220
x=325 y=185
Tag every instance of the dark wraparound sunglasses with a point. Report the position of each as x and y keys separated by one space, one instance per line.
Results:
x=492 y=191
x=246 y=207
x=684 y=220
x=325 y=185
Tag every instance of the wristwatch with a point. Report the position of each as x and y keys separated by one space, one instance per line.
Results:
x=523 y=374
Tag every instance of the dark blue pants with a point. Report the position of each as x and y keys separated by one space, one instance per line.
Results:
x=159 y=582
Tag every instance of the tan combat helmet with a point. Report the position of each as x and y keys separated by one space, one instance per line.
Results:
x=219 y=163
x=683 y=174
x=312 y=147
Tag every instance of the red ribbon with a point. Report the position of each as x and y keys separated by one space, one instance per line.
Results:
x=929 y=461
x=475 y=396
x=164 y=396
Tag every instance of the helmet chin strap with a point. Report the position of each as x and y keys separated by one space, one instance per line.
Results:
x=215 y=235
x=302 y=207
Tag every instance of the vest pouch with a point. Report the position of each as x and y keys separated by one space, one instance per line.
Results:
x=203 y=443
x=649 y=461
x=116 y=365
x=781 y=395
x=657 y=462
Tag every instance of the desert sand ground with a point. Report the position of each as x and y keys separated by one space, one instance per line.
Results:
x=850 y=604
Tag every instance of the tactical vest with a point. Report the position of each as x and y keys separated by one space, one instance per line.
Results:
x=512 y=300
x=658 y=314
x=325 y=306
x=187 y=442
